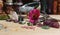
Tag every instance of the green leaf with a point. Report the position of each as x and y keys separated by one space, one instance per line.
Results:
x=45 y=27
x=3 y=17
x=29 y=24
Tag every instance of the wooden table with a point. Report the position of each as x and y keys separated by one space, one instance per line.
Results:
x=15 y=29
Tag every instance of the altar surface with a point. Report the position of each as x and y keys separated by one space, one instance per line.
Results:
x=16 y=29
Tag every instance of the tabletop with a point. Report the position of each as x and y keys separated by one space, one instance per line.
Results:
x=15 y=29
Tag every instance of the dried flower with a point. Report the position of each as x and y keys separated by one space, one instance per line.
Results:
x=52 y=23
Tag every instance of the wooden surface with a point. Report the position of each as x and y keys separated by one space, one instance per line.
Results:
x=15 y=29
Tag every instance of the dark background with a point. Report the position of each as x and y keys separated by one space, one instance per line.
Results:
x=53 y=6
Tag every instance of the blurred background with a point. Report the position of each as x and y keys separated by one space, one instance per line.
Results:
x=48 y=6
